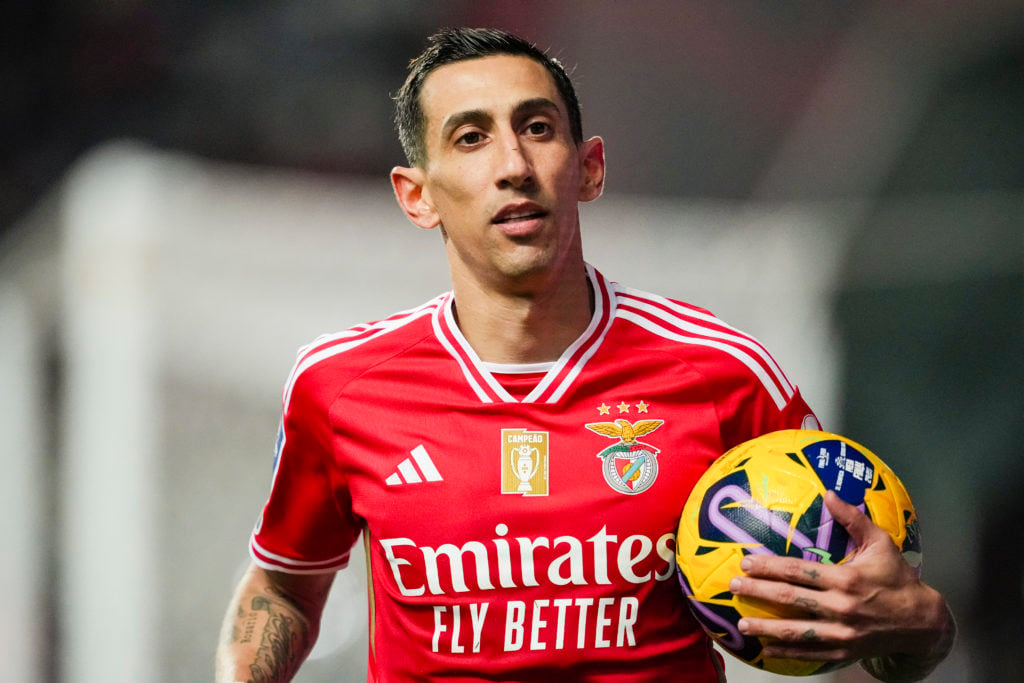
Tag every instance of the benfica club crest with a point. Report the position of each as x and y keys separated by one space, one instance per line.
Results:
x=630 y=466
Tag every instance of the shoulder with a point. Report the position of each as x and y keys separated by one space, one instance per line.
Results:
x=678 y=323
x=331 y=360
x=707 y=344
x=631 y=301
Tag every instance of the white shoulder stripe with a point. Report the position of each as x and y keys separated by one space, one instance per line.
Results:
x=358 y=336
x=734 y=336
x=769 y=384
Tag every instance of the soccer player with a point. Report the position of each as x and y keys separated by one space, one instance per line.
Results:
x=515 y=453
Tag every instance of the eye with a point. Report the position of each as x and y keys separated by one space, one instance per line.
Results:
x=470 y=138
x=538 y=128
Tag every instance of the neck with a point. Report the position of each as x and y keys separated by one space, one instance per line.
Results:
x=525 y=327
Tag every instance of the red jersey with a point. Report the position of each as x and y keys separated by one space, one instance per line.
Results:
x=517 y=534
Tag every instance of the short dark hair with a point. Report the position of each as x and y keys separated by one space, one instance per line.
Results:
x=456 y=45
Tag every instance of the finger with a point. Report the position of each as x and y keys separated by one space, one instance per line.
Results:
x=805 y=640
x=798 y=637
x=788 y=569
x=794 y=600
x=783 y=632
x=809 y=651
x=860 y=527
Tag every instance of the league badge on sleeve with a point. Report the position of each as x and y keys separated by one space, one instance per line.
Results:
x=630 y=466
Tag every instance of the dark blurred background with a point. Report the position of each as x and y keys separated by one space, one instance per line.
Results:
x=726 y=99
x=912 y=110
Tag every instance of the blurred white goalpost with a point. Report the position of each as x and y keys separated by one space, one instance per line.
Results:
x=174 y=293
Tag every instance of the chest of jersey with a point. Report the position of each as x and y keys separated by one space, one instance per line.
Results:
x=593 y=482
x=518 y=529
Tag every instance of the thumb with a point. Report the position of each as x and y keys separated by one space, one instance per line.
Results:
x=860 y=527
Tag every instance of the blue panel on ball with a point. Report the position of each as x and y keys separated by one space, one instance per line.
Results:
x=842 y=468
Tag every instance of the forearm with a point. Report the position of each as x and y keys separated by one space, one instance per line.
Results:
x=905 y=668
x=266 y=634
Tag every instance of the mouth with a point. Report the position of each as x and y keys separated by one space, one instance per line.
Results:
x=519 y=213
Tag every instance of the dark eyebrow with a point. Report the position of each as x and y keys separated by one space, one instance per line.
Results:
x=534 y=104
x=478 y=116
x=482 y=117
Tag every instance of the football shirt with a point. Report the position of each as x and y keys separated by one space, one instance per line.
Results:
x=523 y=535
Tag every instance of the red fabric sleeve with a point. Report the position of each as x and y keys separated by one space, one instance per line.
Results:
x=307 y=525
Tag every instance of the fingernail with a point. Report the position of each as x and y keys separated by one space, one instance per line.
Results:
x=734 y=585
x=743 y=625
x=745 y=563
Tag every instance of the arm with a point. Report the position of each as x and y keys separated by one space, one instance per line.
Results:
x=874 y=607
x=271 y=625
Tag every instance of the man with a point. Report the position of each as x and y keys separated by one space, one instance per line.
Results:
x=516 y=453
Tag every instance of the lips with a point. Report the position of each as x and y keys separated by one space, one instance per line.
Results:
x=519 y=213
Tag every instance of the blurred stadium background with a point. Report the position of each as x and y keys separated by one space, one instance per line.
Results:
x=190 y=191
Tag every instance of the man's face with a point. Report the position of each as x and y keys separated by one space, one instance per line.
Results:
x=503 y=176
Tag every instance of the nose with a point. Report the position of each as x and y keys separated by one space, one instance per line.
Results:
x=515 y=169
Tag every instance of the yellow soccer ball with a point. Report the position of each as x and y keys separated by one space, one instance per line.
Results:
x=767 y=496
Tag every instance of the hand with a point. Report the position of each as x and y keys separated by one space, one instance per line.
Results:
x=873 y=605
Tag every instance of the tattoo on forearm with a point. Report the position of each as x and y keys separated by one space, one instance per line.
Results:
x=248 y=626
x=281 y=649
x=282 y=634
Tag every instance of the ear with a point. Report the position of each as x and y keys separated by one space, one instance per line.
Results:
x=592 y=160
x=408 y=183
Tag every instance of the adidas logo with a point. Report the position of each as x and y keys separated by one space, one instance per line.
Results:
x=409 y=474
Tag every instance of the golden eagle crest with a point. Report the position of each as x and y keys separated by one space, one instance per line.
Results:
x=624 y=430
x=630 y=466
